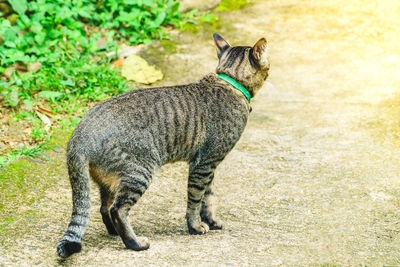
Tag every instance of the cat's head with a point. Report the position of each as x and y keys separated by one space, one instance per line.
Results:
x=247 y=65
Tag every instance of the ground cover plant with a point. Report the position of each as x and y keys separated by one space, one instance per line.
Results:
x=54 y=63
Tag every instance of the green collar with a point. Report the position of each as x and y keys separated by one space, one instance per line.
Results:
x=235 y=84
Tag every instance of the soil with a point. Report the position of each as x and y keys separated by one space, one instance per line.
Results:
x=314 y=179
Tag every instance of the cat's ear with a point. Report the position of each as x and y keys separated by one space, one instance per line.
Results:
x=220 y=43
x=260 y=53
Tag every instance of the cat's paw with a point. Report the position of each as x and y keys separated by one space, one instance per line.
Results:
x=214 y=224
x=141 y=243
x=198 y=229
x=66 y=248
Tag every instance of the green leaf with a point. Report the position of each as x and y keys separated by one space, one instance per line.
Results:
x=50 y=94
x=148 y=2
x=19 y=6
x=84 y=13
x=3 y=160
x=160 y=19
x=130 y=2
x=37 y=27
x=9 y=35
x=25 y=20
x=3 y=83
x=68 y=82
x=28 y=103
x=13 y=98
x=39 y=38
x=208 y=18
x=5 y=23
x=10 y=44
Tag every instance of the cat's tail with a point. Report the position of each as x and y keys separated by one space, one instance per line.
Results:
x=79 y=177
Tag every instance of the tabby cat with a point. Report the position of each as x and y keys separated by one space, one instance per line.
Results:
x=121 y=141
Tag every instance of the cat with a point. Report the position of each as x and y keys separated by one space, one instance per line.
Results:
x=121 y=141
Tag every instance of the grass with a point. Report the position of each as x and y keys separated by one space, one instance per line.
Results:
x=33 y=151
x=55 y=96
x=14 y=188
x=23 y=188
x=24 y=184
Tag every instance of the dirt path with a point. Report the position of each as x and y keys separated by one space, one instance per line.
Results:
x=315 y=177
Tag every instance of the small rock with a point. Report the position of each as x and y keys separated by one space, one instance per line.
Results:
x=34 y=160
x=9 y=72
x=57 y=150
x=34 y=66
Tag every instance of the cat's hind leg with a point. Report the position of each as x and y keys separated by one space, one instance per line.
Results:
x=107 y=199
x=207 y=212
x=133 y=183
x=107 y=183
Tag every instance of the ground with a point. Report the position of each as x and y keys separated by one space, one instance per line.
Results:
x=314 y=179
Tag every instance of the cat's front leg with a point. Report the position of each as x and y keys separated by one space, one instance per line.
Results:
x=200 y=177
x=207 y=212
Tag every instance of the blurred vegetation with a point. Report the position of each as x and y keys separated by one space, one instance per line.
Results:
x=54 y=63
x=49 y=30
x=229 y=5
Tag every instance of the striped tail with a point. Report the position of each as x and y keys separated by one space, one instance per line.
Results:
x=79 y=177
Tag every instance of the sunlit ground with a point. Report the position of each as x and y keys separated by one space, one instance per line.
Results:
x=378 y=28
x=366 y=29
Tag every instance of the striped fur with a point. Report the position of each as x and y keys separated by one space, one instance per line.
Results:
x=123 y=140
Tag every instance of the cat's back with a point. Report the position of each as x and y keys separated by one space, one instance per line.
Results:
x=172 y=120
x=143 y=106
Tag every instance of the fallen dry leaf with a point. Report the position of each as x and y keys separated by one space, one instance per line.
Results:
x=43 y=109
x=9 y=72
x=44 y=119
x=137 y=69
x=34 y=66
x=117 y=63
x=8 y=140
x=101 y=42
x=27 y=131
